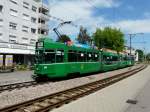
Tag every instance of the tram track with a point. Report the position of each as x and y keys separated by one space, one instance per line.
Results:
x=13 y=86
x=46 y=103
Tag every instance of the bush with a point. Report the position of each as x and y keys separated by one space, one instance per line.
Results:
x=21 y=67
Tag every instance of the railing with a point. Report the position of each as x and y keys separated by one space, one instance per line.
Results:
x=45 y=16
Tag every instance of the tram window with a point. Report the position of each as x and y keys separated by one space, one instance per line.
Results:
x=120 y=58
x=49 y=56
x=125 y=58
x=96 y=57
x=132 y=58
x=72 y=56
x=104 y=58
x=114 y=58
x=89 y=56
x=81 y=57
x=107 y=60
x=39 y=52
x=59 y=56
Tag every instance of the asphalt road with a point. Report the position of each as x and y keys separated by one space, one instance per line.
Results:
x=15 y=77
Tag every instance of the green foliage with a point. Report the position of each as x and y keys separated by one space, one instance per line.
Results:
x=83 y=37
x=21 y=67
x=111 y=38
x=64 y=38
x=140 y=54
x=148 y=57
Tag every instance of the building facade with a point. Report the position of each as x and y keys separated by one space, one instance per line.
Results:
x=133 y=52
x=22 y=22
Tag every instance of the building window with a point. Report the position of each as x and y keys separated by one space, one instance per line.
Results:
x=1 y=35
x=13 y=1
x=26 y=5
x=34 y=8
x=1 y=22
x=13 y=12
x=41 y=21
x=44 y=32
x=33 y=30
x=12 y=39
x=32 y=41
x=12 y=36
x=33 y=20
x=41 y=10
x=1 y=8
x=25 y=28
x=24 y=38
x=26 y=17
x=13 y=26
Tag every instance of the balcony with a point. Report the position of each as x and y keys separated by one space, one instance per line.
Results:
x=44 y=16
x=43 y=26
x=44 y=7
x=43 y=36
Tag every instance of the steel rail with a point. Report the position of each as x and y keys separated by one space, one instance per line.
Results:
x=17 y=85
x=10 y=87
x=49 y=102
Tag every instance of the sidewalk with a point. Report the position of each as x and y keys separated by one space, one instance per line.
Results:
x=114 y=97
x=143 y=100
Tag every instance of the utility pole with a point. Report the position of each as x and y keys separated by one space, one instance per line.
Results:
x=130 y=36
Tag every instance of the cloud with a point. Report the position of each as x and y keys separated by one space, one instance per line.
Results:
x=134 y=26
x=105 y=3
x=98 y=3
x=80 y=12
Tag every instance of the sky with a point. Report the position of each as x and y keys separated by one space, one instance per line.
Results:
x=131 y=16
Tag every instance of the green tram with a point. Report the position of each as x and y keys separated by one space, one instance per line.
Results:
x=54 y=60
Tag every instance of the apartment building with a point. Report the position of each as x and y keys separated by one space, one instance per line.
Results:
x=22 y=22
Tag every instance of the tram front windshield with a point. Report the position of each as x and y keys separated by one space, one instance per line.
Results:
x=49 y=56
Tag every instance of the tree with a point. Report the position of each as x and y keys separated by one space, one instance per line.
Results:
x=83 y=37
x=64 y=38
x=140 y=55
x=148 y=57
x=111 y=38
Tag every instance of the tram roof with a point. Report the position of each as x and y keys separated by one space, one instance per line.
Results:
x=48 y=43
